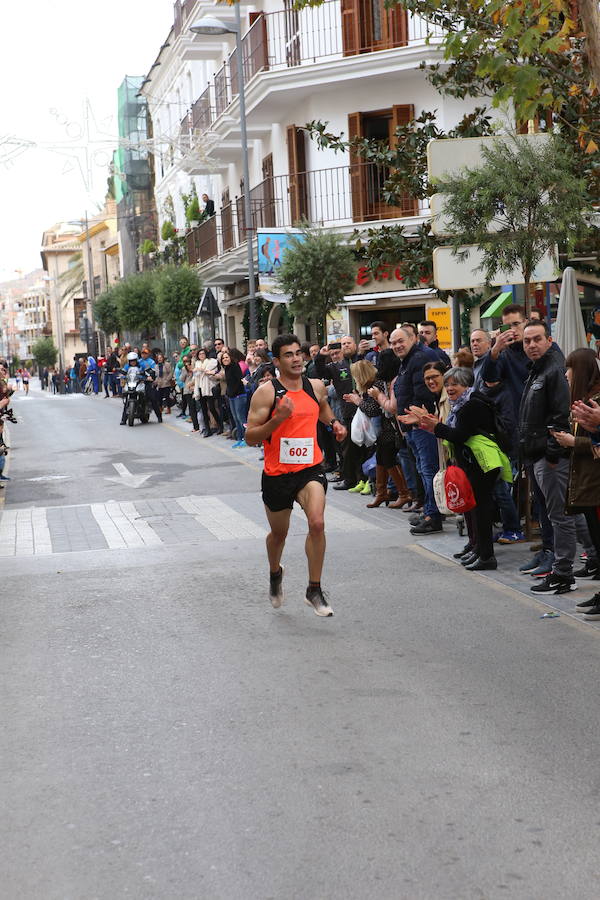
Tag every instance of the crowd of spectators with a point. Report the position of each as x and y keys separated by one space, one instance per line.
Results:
x=520 y=422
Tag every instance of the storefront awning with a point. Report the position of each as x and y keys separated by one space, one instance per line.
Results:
x=498 y=305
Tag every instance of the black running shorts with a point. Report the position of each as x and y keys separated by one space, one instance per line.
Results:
x=280 y=491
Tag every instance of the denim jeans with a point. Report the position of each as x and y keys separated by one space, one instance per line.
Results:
x=508 y=511
x=239 y=412
x=407 y=468
x=425 y=449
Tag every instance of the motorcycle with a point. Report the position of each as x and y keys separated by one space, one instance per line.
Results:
x=134 y=396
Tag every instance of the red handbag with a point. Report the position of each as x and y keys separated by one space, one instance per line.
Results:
x=459 y=493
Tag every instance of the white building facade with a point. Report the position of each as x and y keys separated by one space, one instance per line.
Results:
x=350 y=63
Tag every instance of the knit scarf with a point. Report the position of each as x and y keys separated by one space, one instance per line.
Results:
x=458 y=404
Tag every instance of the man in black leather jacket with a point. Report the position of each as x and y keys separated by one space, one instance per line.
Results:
x=544 y=408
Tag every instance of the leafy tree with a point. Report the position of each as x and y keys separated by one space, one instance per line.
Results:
x=178 y=290
x=44 y=352
x=318 y=269
x=106 y=312
x=530 y=196
x=136 y=301
x=543 y=58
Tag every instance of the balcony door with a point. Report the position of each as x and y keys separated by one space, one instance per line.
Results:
x=366 y=179
x=298 y=186
x=267 y=217
x=368 y=26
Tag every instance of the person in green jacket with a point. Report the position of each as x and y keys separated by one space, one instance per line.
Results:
x=470 y=428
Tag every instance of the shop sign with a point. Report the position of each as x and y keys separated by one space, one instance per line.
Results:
x=387 y=277
x=442 y=317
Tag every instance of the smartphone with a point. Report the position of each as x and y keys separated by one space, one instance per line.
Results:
x=551 y=428
x=372 y=344
x=505 y=328
x=335 y=346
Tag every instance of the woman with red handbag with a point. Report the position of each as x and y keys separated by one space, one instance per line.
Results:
x=471 y=418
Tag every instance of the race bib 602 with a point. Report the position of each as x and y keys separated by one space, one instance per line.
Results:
x=296 y=451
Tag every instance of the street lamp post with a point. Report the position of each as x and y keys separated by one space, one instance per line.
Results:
x=210 y=25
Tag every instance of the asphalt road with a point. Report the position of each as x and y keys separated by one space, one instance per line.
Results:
x=167 y=734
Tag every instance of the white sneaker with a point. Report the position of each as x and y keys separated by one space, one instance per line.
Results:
x=276 y=595
x=316 y=598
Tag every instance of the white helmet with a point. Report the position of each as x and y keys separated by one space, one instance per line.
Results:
x=131 y=356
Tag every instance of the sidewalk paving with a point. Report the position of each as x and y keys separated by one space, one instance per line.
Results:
x=510 y=557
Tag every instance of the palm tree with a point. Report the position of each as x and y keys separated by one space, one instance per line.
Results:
x=72 y=278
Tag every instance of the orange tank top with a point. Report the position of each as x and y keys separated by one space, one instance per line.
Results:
x=293 y=445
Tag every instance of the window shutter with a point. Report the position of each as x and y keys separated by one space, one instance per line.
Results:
x=297 y=174
x=358 y=181
x=397 y=26
x=350 y=27
x=402 y=115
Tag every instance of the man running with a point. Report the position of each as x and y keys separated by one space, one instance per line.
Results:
x=283 y=416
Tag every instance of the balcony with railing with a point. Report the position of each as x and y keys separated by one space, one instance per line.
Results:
x=182 y=10
x=342 y=196
x=290 y=38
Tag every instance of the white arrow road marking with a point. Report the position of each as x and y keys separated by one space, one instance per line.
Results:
x=128 y=478
x=50 y=478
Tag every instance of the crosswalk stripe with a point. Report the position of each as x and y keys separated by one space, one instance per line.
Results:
x=8 y=528
x=220 y=519
x=24 y=544
x=120 y=526
x=136 y=534
x=42 y=542
x=145 y=531
x=111 y=533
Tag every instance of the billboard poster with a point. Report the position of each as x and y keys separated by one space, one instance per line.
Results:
x=272 y=246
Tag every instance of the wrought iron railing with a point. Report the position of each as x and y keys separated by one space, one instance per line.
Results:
x=344 y=195
x=290 y=38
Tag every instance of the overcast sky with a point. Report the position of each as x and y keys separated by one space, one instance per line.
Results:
x=55 y=56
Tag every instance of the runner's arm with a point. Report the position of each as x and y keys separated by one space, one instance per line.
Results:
x=325 y=412
x=260 y=427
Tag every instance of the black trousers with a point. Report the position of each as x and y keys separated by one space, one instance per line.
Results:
x=482 y=516
x=152 y=399
x=209 y=403
x=353 y=458
x=192 y=410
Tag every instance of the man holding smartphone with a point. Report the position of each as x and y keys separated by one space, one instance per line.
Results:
x=544 y=409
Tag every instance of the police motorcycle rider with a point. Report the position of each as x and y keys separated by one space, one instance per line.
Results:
x=145 y=366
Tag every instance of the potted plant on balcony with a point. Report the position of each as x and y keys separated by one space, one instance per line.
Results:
x=193 y=216
x=168 y=231
x=147 y=248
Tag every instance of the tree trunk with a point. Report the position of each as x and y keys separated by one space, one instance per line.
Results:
x=527 y=275
x=590 y=18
